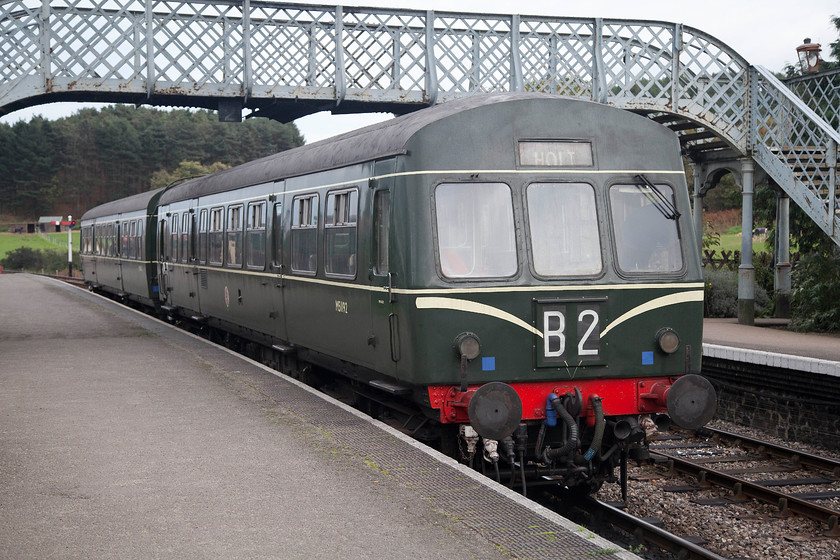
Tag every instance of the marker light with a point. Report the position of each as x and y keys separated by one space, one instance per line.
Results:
x=668 y=340
x=468 y=345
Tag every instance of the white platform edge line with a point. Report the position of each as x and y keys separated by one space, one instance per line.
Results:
x=760 y=357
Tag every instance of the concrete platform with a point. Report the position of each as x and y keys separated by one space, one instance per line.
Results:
x=122 y=437
x=769 y=343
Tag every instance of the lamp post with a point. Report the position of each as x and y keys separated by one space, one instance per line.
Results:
x=809 y=56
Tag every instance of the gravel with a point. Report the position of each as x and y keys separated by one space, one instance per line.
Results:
x=737 y=530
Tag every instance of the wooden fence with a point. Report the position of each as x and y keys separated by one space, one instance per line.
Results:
x=732 y=259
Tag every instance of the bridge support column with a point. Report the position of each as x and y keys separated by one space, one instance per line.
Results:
x=781 y=279
x=746 y=271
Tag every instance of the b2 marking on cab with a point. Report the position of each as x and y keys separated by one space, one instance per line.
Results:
x=570 y=332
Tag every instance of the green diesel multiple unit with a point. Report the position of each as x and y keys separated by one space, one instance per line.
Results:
x=512 y=273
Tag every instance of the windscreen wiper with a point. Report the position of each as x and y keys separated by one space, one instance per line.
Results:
x=665 y=205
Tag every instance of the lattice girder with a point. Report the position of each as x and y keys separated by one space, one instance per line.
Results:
x=264 y=53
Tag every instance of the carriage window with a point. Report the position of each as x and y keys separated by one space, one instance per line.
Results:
x=128 y=239
x=138 y=241
x=647 y=236
x=112 y=245
x=215 y=236
x=278 y=234
x=131 y=234
x=563 y=229
x=304 y=233
x=173 y=239
x=233 y=251
x=475 y=230
x=125 y=231
x=340 y=232
x=202 y=236
x=381 y=228
x=255 y=236
x=185 y=236
x=104 y=240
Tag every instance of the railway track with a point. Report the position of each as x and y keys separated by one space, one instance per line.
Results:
x=758 y=478
x=606 y=518
x=75 y=281
x=769 y=500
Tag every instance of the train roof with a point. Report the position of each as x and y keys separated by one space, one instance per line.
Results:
x=129 y=204
x=388 y=138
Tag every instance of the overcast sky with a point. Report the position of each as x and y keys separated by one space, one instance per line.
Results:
x=765 y=32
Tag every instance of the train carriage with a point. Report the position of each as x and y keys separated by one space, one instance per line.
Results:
x=517 y=267
x=118 y=251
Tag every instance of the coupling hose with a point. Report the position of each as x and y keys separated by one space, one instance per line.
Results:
x=550 y=455
x=600 y=425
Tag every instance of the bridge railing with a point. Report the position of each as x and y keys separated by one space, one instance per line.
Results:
x=820 y=92
x=266 y=50
x=797 y=148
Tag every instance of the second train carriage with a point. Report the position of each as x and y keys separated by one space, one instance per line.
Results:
x=118 y=251
x=516 y=263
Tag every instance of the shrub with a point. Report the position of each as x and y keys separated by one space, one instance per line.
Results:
x=711 y=238
x=23 y=258
x=36 y=260
x=721 y=298
x=721 y=288
x=815 y=294
x=57 y=260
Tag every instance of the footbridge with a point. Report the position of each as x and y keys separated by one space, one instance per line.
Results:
x=285 y=60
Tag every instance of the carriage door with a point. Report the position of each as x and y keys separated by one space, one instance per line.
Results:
x=384 y=325
x=92 y=249
x=123 y=234
x=189 y=255
x=163 y=256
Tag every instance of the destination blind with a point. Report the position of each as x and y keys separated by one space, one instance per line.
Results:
x=555 y=153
